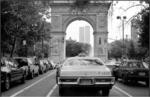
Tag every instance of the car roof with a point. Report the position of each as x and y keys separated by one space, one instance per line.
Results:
x=132 y=61
x=70 y=58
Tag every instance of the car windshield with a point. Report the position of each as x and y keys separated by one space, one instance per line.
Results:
x=83 y=62
x=21 y=62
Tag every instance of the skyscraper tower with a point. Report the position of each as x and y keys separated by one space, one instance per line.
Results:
x=81 y=34
x=84 y=34
x=87 y=34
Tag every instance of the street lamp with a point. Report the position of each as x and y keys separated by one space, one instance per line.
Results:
x=25 y=46
x=122 y=19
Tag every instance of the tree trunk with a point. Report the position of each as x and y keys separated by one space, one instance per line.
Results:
x=13 y=47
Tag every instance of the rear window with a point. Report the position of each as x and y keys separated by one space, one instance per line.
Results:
x=83 y=62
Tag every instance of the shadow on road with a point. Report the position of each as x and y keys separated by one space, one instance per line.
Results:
x=137 y=84
x=81 y=92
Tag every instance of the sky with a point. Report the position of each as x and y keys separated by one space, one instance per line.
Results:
x=115 y=31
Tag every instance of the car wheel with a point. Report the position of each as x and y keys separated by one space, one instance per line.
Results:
x=23 y=79
x=61 y=91
x=116 y=78
x=105 y=92
x=147 y=83
x=38 y=73
x=32 y=75
x=125 y=81
x=7 y=83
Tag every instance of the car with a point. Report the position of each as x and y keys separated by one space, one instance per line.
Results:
x=10 y=72
x=29 y=65
x=87 y=72
x=22 y=63
x=46 y=63
x=42 y=66
x=33 y=67
x=133 y=71
x=53 y=65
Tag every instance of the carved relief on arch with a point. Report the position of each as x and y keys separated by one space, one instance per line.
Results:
x=66 y=20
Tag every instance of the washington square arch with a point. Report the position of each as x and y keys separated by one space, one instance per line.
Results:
x=62 y=14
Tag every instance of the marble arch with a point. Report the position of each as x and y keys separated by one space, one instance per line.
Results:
x=62 y=15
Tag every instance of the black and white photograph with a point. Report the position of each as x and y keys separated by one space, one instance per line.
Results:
x=75 y=48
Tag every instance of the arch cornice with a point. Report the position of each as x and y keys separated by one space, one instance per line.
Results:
x=88 y=19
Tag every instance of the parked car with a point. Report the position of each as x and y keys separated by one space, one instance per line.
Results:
x=33 y=68
x=22 y=63
x=51 y=64
x=46 y=63
x=42 y=66
x=132 y=70
x=10 y=72
x=84 y=71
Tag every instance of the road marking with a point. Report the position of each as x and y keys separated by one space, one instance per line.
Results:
x=22 y=90
x=123 y=91
x=52 y=90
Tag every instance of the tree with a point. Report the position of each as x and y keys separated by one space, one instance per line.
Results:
x=21 y=20
x=132 y=49
x=144 y=28
x=74 y=48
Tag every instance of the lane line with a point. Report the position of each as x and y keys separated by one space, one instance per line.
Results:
x=52 y=90
x=123 y=91
x=22 y=90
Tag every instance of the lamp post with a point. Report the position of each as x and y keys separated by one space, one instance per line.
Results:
x=122 y=19
x=25 y=46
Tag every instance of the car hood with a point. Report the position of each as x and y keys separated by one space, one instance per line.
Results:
x=85 y=71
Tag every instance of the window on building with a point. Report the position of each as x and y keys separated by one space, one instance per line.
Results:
x=100 y=40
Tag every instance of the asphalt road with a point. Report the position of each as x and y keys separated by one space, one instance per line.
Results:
x=45 y=86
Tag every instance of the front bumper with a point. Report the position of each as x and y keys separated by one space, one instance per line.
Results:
x=103 y=82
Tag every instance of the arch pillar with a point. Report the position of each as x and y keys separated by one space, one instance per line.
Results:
x=100 y=45
x=57 y=46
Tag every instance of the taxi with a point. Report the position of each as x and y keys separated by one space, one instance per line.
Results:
x=89 y=72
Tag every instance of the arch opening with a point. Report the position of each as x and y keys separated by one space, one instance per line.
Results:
x=80 y=31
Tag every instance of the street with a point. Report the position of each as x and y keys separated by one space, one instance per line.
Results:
x=45 y=85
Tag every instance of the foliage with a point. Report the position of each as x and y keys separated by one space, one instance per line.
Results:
x=39 y=52
x=74 y=48
x=21 y=20
x=144 y=28
x=131 y=49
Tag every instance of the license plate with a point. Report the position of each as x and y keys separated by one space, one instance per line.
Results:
x=142 y=74
x=85 y=82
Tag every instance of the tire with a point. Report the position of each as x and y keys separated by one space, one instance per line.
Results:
x=125 y=80
x=38 y=73
x=32 y=75
x=61 y=91
x=23 y=79
x=147 y=83
x=7 y=83
x=105 y=92
x=116 y=78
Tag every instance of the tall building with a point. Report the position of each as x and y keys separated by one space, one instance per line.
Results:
x=84 y=34
x=87 y=34
x=81 y=34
